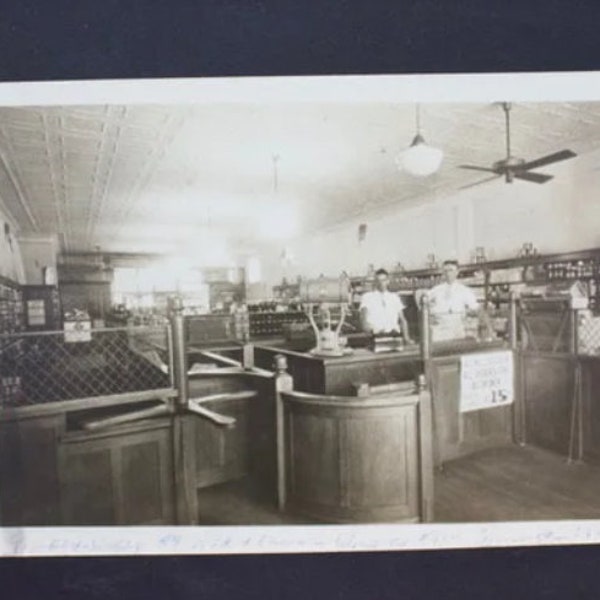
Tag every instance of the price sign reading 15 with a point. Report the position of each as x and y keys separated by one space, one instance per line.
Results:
x=486 y=380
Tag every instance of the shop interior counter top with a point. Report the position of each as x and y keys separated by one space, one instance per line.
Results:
x=340 y=375
x=412 y=352
x=465 y=346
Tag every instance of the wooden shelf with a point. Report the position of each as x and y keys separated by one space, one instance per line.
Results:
x=427 y=277
x=424 y=278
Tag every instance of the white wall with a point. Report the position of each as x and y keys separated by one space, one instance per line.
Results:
x=558 y=216
x=38 y=253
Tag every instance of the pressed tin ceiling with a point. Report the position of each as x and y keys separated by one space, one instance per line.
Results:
x=154 y=178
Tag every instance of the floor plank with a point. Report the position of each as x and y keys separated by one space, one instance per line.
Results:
x=500 y=484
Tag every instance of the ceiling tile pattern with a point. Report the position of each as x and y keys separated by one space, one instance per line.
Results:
x=144 y=178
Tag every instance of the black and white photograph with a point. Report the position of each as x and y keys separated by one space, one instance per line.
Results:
x=361 y=305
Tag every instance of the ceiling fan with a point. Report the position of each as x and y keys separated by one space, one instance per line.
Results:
x=513 y=167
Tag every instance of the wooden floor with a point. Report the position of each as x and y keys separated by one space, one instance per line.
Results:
x=514 y=483
x=501 y=484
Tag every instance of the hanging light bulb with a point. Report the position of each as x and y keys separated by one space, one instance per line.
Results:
x=420 y=159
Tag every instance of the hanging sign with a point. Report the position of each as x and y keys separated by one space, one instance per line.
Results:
x=486 y=380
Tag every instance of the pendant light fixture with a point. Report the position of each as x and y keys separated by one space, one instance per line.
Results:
x=419 y=159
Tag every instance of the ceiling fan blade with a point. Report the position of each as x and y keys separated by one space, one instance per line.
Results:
x=533 y=177
x=480 y=182
x=474 y=168
x=549 y=159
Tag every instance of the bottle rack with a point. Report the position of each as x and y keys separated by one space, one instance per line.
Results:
x=264 y=324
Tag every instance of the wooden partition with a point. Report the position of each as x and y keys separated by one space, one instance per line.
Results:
x=218 y=453
x=458 y=434
x=548 y=387
x=562 y=412
x=56 y=471
x=558 y=385
x=139 y=458
x=118 y=476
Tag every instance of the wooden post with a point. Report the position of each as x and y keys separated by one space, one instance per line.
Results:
x=283 y=383
x=426 y=449
x=171 y=362
x=425 y=329
x=519 y=401
x=576 y=428
x=574 y=332
x=576 y=432
x=426 y=357
x=512 y=322
x=186 y=504
x=248 y=356
x=180 y=361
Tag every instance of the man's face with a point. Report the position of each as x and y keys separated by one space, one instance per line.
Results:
x=450 y=273
x=382 y=282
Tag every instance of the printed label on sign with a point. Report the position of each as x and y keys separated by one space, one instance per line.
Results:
x=486 y=380
x=36 y=313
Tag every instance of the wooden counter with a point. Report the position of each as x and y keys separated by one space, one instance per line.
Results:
x=322 y=375
x=455 y=434
x=359 y=460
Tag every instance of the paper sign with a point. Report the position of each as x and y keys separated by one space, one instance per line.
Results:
x=36 y=313
x=486 y=380
x=78 y=331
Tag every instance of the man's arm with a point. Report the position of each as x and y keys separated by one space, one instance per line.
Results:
x=402 y=321
x=478 y=310
x=404 y=328
x=470 y=301
x=364 y=321
x=433 y=309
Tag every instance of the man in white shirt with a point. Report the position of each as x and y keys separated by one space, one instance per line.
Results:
x=382 y=311
x=449 y=303
x=451 y=296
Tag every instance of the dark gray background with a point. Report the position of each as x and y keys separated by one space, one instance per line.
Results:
x=47 y=40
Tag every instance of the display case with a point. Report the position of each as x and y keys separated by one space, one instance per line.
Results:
x=223 y=294
x=276 y=323
x=11 y=306
x=286 y=291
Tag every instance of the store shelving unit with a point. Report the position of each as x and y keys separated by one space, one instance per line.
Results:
x=494 y=280
x=12 y=320
x=11 y=306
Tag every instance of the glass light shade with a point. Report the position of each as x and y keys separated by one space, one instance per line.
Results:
x=420 y=159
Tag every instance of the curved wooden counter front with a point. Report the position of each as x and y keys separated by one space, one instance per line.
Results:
x=359 y=460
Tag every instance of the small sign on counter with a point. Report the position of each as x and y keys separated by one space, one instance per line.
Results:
x=486 y=380
x=78 y=331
